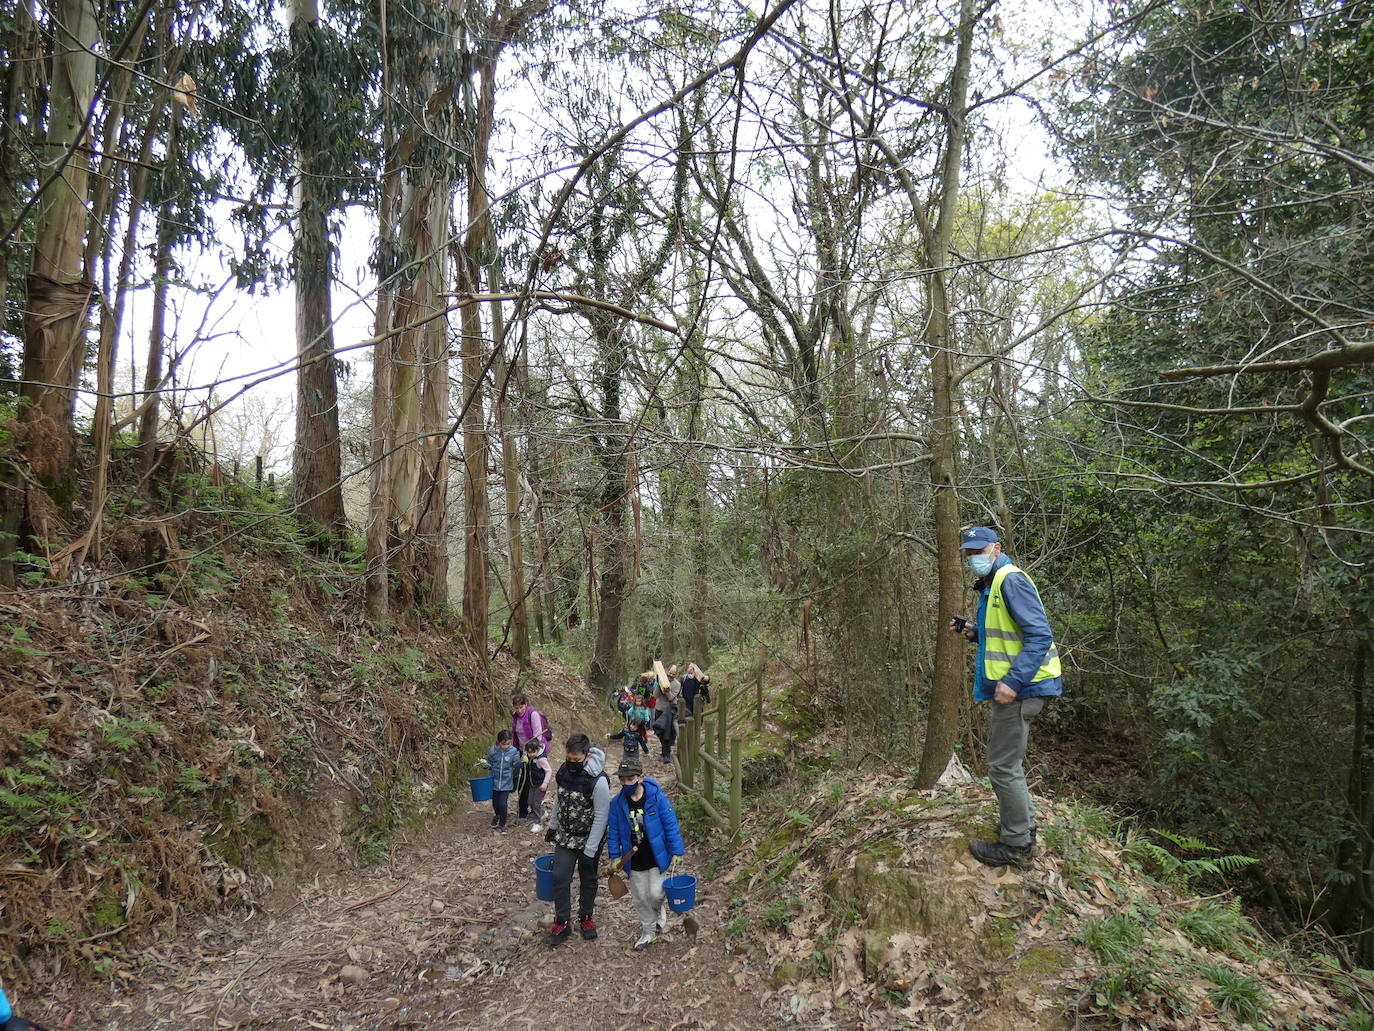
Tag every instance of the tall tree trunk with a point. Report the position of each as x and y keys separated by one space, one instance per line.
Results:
x=317 y=460
x=510 y=462
x=111 y=322
x=162 y=273
x=380 y=502
x=942 y=720
x=418 y=367
x=701 y=564
x=475 y=242
x=611 y=452
x=59 y=294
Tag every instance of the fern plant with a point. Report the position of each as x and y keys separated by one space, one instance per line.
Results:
x=1180 y=871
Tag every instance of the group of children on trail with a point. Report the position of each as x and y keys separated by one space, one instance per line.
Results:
x=519 y=762
x=637 y=826
x=648 y=702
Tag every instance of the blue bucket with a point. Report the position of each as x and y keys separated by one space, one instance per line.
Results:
x=543 y=878
x=481 y=788
x=682 y=892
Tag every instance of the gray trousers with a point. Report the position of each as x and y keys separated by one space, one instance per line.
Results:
x=1008 y=736
x=646 y=887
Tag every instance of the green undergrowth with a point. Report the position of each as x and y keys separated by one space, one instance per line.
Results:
x=854 y=882
x=181 y=726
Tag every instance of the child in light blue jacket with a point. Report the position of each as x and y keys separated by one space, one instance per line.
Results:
x=503 y=759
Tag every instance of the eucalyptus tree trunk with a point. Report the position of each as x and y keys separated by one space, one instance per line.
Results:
x=381 y=438
x=418 y=399
x=510 y=464
x=59 y=293
x=477 y=509
x=317 y=461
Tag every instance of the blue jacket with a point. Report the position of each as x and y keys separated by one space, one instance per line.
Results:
x=660 y=825
x=1023 y=603
x=503 y=763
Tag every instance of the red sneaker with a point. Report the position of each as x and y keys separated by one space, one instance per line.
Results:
x=559 y=933
x=588 y=928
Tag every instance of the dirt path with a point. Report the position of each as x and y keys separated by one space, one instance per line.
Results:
x=448 y=936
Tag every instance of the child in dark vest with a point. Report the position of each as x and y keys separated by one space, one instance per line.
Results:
x=537 y=777
x=502 y=760
x=645 y=838
x=634 y=739
x=577 y=828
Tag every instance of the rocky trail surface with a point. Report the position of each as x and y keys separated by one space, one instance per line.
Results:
x=448 y=935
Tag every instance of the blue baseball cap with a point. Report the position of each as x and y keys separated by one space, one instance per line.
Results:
x=976 y=538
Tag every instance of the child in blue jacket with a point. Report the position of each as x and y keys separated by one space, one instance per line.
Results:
x=9 y=1022
x=645 y=838
x=503 y=760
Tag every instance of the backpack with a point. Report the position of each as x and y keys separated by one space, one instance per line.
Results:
x=547 y=734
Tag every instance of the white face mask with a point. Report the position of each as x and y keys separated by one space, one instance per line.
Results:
x=981 y=564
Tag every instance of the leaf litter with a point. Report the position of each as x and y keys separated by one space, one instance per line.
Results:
x=447 y=935
x=887 y=922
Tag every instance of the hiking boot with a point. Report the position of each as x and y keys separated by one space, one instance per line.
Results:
x=645 y=940
x=559 y=933
x=495 y=821
x=997 y=853
x=588 y=928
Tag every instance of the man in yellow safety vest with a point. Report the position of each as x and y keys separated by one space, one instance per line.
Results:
x=1018 y=670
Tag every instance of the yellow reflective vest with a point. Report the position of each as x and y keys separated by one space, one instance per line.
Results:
x=1002 y=637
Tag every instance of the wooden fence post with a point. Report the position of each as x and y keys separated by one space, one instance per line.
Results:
x=736 y=786
x=708 y=773
x=722 y=721
x=685 y=751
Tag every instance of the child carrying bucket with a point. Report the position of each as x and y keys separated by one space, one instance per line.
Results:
x=502 y=761
x=644 y=837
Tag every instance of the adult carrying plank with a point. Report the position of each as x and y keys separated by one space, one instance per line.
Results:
x=667 y=690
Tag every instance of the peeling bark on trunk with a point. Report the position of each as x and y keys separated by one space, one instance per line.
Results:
x=59 y=293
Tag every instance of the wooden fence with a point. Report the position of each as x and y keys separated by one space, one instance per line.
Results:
x=708 y=746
